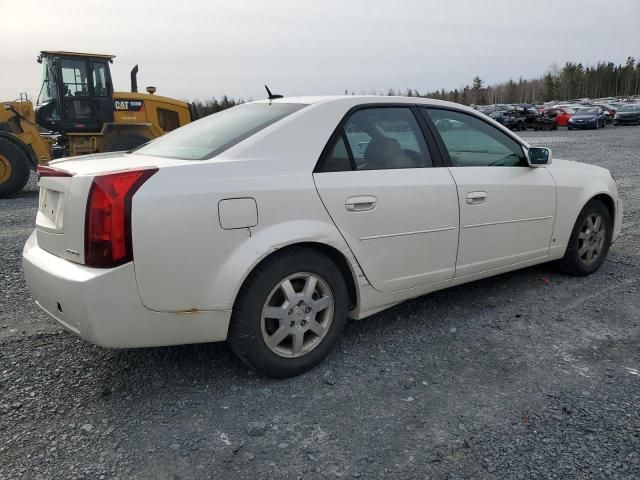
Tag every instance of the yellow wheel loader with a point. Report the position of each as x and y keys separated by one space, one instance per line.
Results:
x=82 y=114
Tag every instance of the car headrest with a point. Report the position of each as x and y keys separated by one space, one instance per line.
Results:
x=385 y=152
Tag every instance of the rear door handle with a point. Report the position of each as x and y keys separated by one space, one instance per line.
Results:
x=476 y=198
x=361 y=203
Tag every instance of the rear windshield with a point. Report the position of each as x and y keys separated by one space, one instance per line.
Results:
x=212 y=135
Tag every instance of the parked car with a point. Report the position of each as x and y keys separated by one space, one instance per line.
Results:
x=627 y=115
x=560 y=115
x=541 y=121
x=264 y=225
x=609 y=110
x=513 y=119
x=588 y=117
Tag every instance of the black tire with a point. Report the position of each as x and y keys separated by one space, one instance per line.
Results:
x=245 y=331
x=572 y=263
x=125 y=142
x=14 y=171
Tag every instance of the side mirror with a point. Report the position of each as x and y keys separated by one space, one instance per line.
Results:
x=539 y=156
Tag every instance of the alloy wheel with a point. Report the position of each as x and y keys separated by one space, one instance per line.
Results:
x=297 y=315
x=591 y=238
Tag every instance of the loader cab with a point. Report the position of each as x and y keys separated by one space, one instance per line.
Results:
x=76 y=93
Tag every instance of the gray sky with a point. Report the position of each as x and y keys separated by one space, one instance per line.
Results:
x=197 y=49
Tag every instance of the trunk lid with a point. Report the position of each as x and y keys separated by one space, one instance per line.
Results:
x=63 y=200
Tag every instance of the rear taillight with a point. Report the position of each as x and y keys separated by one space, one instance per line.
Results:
x=43 y=171
x=108 y=217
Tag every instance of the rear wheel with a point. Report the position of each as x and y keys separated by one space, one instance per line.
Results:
x=14 y=168
x=590 y=240
x=290 y=313
x=126 y=142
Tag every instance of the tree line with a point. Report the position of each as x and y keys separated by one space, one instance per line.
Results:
x=572 y=81
x=203 y=108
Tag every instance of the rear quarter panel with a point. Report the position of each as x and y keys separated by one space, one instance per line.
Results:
x=185 y=261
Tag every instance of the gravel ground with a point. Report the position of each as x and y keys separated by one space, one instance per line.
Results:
x=530 y=374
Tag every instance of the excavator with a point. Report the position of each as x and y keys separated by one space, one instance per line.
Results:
x=78 y=112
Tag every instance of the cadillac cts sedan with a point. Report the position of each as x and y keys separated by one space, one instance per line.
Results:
x=271 y=223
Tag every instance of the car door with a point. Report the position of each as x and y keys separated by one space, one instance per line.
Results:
x=395 y=207
x=507 y=208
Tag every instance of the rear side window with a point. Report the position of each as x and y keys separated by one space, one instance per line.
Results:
x=214 y=134
x=378 y=139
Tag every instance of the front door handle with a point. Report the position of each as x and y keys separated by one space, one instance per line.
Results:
x=476 y=198
x=361 y=203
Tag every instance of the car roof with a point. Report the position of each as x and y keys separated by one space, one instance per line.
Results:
x=365 y=99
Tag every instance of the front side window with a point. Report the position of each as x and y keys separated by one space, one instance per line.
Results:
x=75 y=82
x=209 y=136
x=379 y=138
x=48 y=91
x=471 y=142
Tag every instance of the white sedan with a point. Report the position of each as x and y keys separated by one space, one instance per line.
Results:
x=269 y=224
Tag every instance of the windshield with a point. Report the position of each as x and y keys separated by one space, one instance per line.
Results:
x=48 y=90
x=587 y=111
x=630 y=108
x=212 y=135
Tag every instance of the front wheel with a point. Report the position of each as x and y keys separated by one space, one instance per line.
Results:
x=290 y=313
x=14 y=168
x=590 y=240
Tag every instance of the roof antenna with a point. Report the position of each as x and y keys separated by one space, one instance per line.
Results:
x=271 y=95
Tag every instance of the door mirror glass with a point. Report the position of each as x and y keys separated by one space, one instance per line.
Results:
x=538 y=156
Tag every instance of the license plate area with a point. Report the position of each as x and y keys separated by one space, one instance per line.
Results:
x=50 y=209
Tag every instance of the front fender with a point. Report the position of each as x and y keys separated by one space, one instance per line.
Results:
x=576 y=187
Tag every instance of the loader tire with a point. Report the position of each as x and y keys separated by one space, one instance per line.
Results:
x=14 y=168
x=126 y=142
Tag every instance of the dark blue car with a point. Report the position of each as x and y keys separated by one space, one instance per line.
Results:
x=588 y=117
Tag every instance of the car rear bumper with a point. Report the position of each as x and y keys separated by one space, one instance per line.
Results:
x=103 y=305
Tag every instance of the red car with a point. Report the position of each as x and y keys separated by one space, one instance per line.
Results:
x=560 y=115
